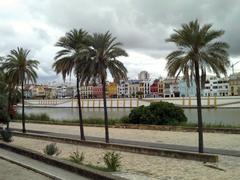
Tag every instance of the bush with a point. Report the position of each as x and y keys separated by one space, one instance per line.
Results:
x=160 y=113
x=77 y=157
x=51 y=149
x=112 y=160
x=6 y=135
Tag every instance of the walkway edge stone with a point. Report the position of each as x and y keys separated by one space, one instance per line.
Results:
x=204 y=157
x=69 y=166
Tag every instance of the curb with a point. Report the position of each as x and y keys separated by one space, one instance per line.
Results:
x=69 y=166
x=204 y=157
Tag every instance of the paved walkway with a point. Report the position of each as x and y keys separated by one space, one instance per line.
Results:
x=10 y=171
x=141 y=143
x=56 y=172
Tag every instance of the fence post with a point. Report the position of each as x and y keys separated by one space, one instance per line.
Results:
x=215 y=102
x=189 y=101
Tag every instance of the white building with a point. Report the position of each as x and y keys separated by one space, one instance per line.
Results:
x=86 y=91
x=216 y=86
x=143 y=76
x=123 y=89
x=171 y=87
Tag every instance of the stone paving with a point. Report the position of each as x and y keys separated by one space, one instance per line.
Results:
x=10 y=171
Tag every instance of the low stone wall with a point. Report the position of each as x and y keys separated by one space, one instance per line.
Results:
x=69 y=166
x=128 y=148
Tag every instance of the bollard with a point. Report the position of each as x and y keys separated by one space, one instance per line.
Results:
x=183 y=101
x=93 y=103
x=215 y=102
x=124 y=102
x=189 y=101
x=208 y=101
x=99 y=103
x=130 y=102
x=88 y=103
x=117 y=103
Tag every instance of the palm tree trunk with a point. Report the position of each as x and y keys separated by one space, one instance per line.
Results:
x=105 y=111
x=199 y=110
x=23 y=115
x=80 y=112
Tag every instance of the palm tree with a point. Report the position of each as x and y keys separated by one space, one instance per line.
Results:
x=74 y=43
x=103 y=54
x=197 y=50
x=20 y=70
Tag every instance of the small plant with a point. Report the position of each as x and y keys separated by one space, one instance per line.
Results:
x=6 y=135
x=51 y=149
x=112 y=160
x=77 y=157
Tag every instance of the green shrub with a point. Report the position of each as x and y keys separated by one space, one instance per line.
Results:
x=76 y=157
x=112 y=160
x=51 y=149
x=160 y=113
x=6 y=135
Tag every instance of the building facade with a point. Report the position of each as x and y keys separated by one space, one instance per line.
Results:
x=123 y=89
x=112 y=89
x=216 y=86
x=234 y=85
x=186 y=91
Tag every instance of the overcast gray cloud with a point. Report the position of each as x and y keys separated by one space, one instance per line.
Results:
x=142 y=26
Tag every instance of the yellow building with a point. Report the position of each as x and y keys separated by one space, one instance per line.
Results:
x=112 y=89
x=38 y=91
x=160 y=88
x=234 y=85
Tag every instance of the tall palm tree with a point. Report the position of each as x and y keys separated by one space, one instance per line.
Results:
x=73 y=45
x=20 y=70
x=197 y=52
x=104 y=51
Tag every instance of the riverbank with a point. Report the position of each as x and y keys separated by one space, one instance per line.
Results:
x=211 y=140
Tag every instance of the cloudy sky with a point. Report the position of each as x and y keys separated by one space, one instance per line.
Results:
x=141 y=25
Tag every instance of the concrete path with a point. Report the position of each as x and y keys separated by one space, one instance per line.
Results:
x=140 y=143
x=10 y=171
x=43 y=168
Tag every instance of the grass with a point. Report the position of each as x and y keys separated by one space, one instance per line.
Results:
x=101 y=168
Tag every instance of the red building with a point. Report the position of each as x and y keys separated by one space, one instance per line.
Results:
x=154 y=88
x=97 y=91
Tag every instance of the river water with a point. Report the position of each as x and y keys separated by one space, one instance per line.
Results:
x=227 y=116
